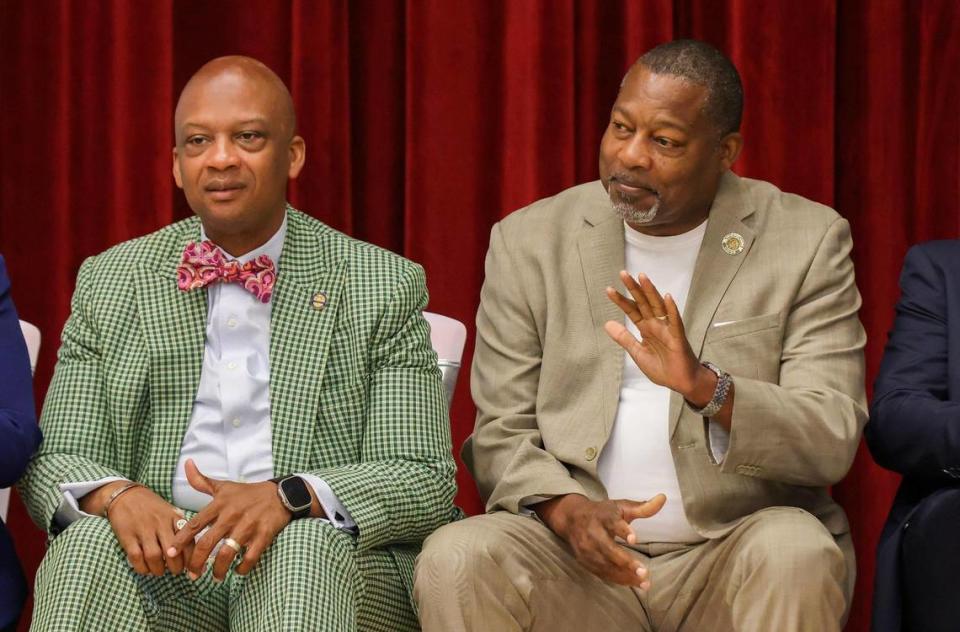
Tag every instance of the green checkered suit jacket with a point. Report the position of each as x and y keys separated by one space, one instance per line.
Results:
x=355 y=392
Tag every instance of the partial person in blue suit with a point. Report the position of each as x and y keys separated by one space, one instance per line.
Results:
x=19 y=439
x=914 y=429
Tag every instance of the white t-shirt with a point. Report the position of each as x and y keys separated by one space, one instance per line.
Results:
x=636 y=462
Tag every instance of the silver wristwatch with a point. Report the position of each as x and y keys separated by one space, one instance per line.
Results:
x=724 y=382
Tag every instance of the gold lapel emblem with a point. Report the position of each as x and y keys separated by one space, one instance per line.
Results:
x=732 y=243
x=319 y=301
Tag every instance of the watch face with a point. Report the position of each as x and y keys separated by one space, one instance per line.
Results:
x=296 y=492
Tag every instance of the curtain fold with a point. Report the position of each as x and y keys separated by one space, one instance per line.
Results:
x=426 y=121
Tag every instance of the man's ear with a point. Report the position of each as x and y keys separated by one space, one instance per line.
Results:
x=298 y=154
x=730 y=146
x=176 y=169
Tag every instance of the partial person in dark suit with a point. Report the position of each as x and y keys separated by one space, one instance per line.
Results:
x=914 y=429
x=19 y=438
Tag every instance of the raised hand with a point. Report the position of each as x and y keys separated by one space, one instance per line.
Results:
x=664 y=355
x=591 y=528
x=245 y=516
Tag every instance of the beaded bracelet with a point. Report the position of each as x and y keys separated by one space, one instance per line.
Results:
x=115 y=495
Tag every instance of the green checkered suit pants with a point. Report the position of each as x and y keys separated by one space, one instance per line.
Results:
x=310 y=579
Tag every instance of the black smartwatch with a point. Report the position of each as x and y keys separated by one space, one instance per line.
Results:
x=294 y=495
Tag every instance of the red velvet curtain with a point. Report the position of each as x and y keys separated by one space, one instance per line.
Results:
x=428 y=120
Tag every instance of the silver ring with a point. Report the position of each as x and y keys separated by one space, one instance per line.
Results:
x=181 y=523
x=233 y=544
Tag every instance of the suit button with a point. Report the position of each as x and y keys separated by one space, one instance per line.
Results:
x=590 y=453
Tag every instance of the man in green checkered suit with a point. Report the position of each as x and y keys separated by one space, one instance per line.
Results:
x=246 y=429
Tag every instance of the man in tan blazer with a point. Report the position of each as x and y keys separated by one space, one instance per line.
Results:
x=678 y=483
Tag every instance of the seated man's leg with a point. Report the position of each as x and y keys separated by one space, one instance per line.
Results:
x=929 y=558
x=312 y=578
x=505 y=572
x=85 y=583
x=778 y=570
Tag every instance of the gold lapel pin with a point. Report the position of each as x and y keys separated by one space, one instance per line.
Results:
x=319 y=301
x=732 y=243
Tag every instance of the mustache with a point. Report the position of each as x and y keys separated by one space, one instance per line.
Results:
x=222 y=184
x=626 y=179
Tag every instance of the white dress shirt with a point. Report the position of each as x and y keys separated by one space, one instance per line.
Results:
x=637 y=462
x=229 y=434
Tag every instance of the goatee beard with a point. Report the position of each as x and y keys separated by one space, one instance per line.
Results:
x=633 y=215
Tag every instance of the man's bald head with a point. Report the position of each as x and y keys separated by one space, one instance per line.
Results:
x=227 y=72
x=235 y=151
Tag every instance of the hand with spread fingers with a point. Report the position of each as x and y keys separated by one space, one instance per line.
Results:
x=591 y=528
x=145 y=525
x=246 y=517
x=664 y=355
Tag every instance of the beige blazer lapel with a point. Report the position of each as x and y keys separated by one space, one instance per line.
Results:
x=307 y=297
x=715 y=269
x=174 y=325
x=602 y=257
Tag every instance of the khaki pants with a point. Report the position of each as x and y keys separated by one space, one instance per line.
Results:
x=778 y=571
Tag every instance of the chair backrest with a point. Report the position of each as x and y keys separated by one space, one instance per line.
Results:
x=32 y=336
x=448 y=337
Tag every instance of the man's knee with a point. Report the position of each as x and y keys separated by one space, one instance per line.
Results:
x=786 y=543
x=88 y=539
x=311 y=546
x=456 y=550
x=935 y=519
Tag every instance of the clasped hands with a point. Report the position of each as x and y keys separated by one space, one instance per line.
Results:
x=664 y=355
x=152 y=532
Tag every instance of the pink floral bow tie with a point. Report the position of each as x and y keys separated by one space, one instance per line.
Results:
x=204 y=263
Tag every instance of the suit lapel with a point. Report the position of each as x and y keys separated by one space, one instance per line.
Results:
x=714 y=270
x=174 y=324
x=306 y=302
x=601 y=246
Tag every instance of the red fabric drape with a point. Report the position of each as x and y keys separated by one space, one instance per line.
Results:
x=428 y=120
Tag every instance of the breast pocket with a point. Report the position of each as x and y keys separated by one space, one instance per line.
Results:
x=750 y=347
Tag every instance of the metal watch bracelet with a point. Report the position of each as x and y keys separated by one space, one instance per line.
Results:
x=724 y=382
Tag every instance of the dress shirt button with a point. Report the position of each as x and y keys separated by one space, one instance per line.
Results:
x=590 y=453
x=232 y=323
x=231 y=365
x=236 y=423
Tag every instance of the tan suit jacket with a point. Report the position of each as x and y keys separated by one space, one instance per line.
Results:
x=780 y=316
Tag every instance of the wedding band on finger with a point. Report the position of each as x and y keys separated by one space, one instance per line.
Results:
x=181 y=523
x=660 y=317
x=233 y=544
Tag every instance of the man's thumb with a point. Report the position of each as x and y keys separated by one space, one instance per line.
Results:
x=633 y=509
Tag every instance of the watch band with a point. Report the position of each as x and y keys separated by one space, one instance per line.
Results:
x=298 y=511
x=724 y=382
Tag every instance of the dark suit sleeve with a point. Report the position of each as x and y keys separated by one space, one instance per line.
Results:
x=19 y=433
x=914 y=427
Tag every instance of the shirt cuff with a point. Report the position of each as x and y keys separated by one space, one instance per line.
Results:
x=69 y=510
x=337 y=514
x=719 y=441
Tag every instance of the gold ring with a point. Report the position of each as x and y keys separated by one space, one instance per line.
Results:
x=233 y=544
x=660 y=317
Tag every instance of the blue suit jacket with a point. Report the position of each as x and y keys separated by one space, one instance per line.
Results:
x=914 y=426
x=19 y=438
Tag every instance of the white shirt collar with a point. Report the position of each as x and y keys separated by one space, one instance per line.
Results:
x=272 y=248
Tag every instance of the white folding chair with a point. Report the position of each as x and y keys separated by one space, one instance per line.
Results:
x=448 y=337
x=32 y=337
